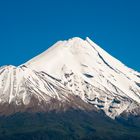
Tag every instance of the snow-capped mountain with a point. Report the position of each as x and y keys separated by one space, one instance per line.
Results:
x=71 y=74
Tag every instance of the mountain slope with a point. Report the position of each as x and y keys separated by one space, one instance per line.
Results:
x=71 y=74
x=69 y=125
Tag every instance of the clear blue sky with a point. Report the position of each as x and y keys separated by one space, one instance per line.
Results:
x=28 y=27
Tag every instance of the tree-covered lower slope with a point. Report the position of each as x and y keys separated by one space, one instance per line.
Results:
x=69 y=125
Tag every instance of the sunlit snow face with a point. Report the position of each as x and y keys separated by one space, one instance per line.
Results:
x=70 y=69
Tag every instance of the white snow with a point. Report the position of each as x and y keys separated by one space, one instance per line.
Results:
x=82 y=56
x=78 y=67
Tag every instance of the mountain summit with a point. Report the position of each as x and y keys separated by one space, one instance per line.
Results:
x=72 y=74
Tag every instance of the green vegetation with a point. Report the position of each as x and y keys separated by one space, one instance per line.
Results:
x=70 y=125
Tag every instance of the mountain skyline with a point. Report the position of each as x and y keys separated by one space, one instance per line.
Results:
x=28 y=28
x=69 y=70
x=74 y=90
x=72 y=73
